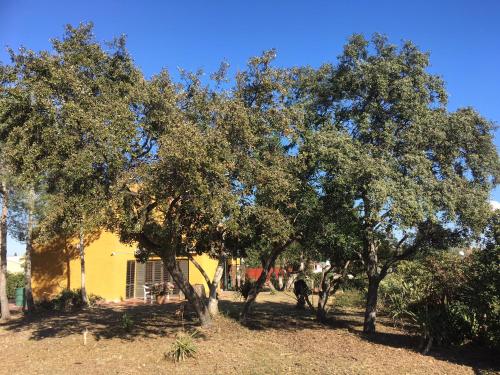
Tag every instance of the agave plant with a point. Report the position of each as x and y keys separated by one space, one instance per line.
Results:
x=183 y=347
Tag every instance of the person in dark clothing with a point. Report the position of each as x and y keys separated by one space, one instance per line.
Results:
x=302 y=292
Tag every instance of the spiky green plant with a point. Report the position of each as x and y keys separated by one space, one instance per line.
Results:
x=127 y=322
x=183 y=347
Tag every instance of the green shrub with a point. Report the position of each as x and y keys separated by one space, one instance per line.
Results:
x=451 y=299
x=311 y=278
x=481 y=293
x=127 y=323
x=425 y=293
x=94 y=299
x=69 y=300
x=183 y=347
x=14 y=281
x=349 y=298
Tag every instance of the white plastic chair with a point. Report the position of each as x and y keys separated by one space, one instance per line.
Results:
x=169 y=288
x=148 y=293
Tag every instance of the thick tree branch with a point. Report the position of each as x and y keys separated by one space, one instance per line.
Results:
x=200 y=268
x=172 y=205
x=339 y=276
x=401 y=242
x=396 y=258
x=360 y=256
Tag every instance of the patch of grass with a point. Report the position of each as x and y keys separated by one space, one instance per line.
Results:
x=350 y=298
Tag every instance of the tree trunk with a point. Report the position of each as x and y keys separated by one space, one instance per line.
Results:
x=30 y=304
x=81 y=248
x=238 y=276
x=323 y=297
x=270 y=284
x=267 y=265
x=194 y=300
x=213 y=301
x=290 y=280
x=332 y=289
x=329 y=287
x=428 y=346
x=4 y=301
x=371 y=304
x=372 y=271
x=252 y=295
x=321 y=311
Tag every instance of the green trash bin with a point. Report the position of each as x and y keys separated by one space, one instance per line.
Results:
x=20 y=297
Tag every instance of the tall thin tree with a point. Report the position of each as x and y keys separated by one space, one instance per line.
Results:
x=4 y=301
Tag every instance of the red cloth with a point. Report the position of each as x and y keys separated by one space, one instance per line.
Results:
x=254 y=273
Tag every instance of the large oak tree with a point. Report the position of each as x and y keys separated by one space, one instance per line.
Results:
x=387 y=137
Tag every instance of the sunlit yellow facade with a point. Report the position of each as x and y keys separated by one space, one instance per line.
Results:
x=56 y=266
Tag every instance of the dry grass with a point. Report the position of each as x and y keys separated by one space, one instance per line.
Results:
x=278 y=339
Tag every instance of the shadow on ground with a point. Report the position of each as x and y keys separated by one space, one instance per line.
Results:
x=106 y=322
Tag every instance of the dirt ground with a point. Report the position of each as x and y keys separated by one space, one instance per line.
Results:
x=277 y=340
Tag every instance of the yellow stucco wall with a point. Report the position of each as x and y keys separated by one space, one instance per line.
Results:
x=50 y=262
x=105 y=267
x=56 y=266
x=208 y=264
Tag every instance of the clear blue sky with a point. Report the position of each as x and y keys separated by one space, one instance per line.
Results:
x=463 y=37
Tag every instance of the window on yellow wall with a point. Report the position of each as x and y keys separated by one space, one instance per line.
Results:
x=130 y=279
x=155 y=272
x=148 y=278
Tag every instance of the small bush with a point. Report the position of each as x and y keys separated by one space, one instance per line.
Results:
x=46 y=304
x=481 y=294
x=127 y=323
x=69 y=300
x=14 y=281
x=426 y=293
x=94 y=299
x=183 y=347
x=358 y=282
x=451 y=299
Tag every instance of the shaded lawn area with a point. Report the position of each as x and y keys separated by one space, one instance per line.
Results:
x=277 y=339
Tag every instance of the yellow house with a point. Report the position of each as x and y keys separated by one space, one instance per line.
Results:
x=111 y=269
